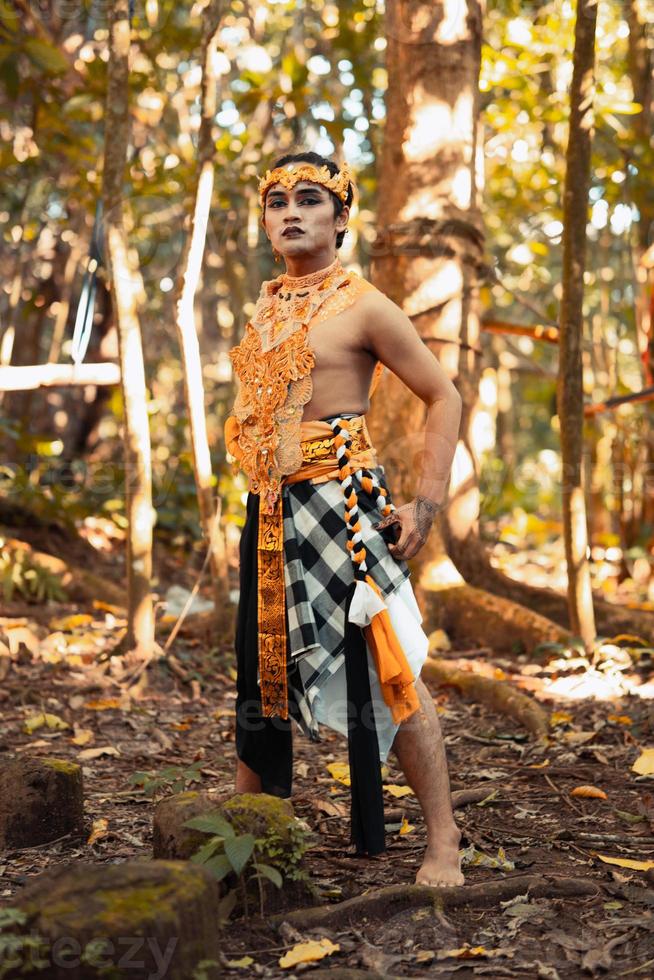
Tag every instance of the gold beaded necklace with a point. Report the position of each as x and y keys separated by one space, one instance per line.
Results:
x=285 y=303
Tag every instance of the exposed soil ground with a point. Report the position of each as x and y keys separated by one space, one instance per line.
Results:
x=528 y=824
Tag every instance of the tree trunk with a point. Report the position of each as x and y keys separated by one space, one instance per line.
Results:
x=65 y=295
x=103 y=348
x=191 y=264
x=505 y=419
x=570 y=395
x=428 y=252
x=429 y=235
x=640 y=61
x=125 y=287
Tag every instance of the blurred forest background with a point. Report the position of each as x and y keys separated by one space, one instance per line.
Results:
x=504 y=156
x=311 y=73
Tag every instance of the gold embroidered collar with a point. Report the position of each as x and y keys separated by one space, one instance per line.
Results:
x=285 y=303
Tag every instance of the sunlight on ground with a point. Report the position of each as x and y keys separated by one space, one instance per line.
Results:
x=441 y=574
x=615 y=668
x=595 y=684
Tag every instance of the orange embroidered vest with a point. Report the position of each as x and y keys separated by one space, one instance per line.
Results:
x=273 y=364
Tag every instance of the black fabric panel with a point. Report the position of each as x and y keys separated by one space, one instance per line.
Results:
x=262 y=743
x=367 y=804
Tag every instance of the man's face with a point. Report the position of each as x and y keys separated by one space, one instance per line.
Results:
x=307 y=208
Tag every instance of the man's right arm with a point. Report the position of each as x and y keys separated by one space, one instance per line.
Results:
x=390 y=336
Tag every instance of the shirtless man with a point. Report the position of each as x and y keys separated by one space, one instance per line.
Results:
x=305 y=224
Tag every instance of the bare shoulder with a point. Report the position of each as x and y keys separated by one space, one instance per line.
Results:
x=379 y=317
x=372 y=300
x=390 y=335
x=375 y=313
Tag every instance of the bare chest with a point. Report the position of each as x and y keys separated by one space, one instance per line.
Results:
x=343 y=367
x=337 y=342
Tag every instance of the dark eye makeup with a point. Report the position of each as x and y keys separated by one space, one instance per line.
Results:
x=279 y=200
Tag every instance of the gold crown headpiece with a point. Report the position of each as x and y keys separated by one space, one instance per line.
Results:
x=289 y=175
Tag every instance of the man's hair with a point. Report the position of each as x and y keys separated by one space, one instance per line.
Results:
x=319 y=161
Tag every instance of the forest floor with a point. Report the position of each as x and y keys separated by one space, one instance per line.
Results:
x=528 y=823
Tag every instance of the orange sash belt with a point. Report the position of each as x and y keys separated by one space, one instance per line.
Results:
x=319 y=463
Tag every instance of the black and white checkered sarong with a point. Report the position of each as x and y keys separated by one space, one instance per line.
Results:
x=318 y=575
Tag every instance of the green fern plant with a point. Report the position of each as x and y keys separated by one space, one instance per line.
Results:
x=228 y=852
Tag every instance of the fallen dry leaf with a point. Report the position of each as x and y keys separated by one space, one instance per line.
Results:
x=82 y=736
x=578 y=738
x=467 y=952
x=439 y=640
x=560 y=718
x=626 y=862
x=329 y=808
x=15 y=635
x=644 y=764
x=224 y=713
x=100 y=827
x=107 y=607
x=102 y=704
x=96 y=753
x=308 y=952
x=406 y=827
x=589 y=791
x=68 y=623
x=398 y=791
x=34 y=722
x=340 y=771
x=471 y=856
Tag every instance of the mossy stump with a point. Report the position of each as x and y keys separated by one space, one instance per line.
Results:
x=268 y=818
x=139 y=919
x=173 y=841
x=40 y=801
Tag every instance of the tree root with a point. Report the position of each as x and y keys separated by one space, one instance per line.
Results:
x=471 y=614
x=460 y=798
x=610 y=618
x=499 y=696
x=382 y=903
x=475 y=794
x=80 y=584
x=472 y=560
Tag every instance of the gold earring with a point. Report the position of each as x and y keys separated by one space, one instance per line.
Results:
x=276 y=255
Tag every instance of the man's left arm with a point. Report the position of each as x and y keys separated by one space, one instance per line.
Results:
x=392 y=338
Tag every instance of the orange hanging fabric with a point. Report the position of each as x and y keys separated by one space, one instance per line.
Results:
x=395 y=675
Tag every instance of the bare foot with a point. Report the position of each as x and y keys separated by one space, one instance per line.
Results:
x=441 y=864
